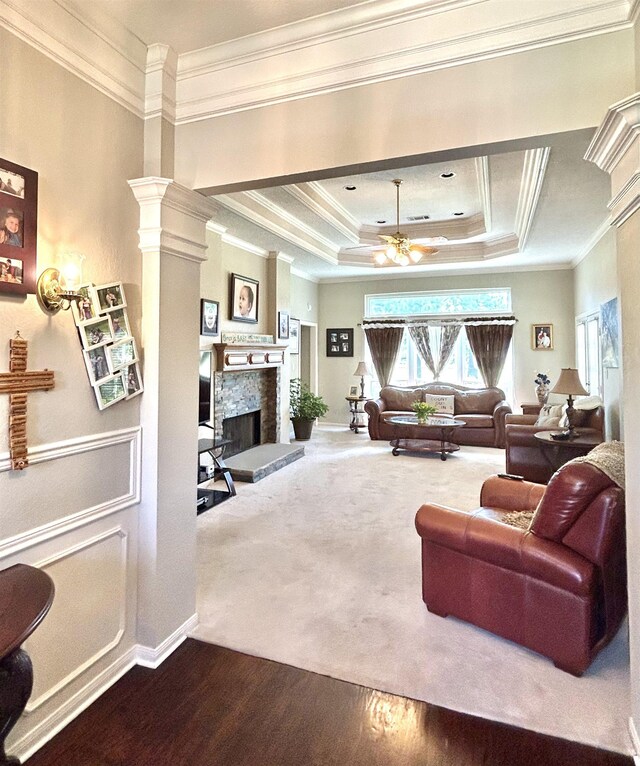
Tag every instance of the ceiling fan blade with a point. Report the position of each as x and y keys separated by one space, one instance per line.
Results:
x=425 y=249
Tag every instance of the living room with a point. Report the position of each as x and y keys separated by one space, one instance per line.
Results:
x=127 y=530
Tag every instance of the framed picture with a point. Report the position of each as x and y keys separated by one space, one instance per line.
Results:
x=209 y=312
x=244 y=299
x=97 y=332
x=340 y=341
x=132 y=380
x=110 y=296
x=609 y=333
x=121 y=354
x=96 y=363
x=283 y=325
x=119 y=324
x=18 y=228
x=353 y=391
x=88 y=308
x=294 y=336
x=110 y=391
x=542 y=337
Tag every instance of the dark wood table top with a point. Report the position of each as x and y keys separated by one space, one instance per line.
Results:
x=26 y=594
x=582 y=440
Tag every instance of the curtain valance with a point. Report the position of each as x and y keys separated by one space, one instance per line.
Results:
x=438 y=321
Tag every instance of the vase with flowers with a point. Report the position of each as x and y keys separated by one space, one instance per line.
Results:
x=423 y=411
x=543 y=385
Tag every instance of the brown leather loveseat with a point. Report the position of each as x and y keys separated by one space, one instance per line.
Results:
x=558 y=588
x=482 y=409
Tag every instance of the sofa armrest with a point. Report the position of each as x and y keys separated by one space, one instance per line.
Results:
x=373 y=408
x=521 y=420
x=511 y=494
x=501 y=545
x=518 y=435
x=500 y=412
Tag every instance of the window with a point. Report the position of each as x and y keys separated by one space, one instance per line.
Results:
x=588 y=352
x=461 y=367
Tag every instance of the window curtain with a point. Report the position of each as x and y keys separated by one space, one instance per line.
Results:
x=490 y=344
x=448 y=336
x=384 y=344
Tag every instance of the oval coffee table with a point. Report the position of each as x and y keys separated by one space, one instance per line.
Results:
x=438 y=432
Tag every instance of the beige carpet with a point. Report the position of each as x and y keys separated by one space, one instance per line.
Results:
x=318 y=566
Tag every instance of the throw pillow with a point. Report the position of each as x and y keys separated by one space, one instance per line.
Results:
x=444 y=404
x=549 y=416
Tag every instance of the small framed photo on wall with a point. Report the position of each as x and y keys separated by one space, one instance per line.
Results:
x=340 y=341
x=244 y=299
x=542 y=337
x=110 y=296
x=97 y=332
x=87 y=309
x=121 y=354
x=209 y=316
x=96 y=363
x=18 y=228
x=109 y=392
x=294 y=336
x=283 y=325
x=132 y=380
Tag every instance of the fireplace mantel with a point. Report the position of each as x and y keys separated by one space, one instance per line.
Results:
x=248 y=356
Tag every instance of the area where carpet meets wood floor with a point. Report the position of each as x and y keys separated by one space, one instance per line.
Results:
x=318 y=567
x=208 y=706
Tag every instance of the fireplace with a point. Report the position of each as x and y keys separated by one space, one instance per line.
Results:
x=243 y=431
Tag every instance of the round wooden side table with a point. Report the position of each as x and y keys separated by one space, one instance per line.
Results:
x=558 y=452
x=358 y=415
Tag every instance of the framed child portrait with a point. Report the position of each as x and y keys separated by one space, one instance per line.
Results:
x=18 y=228
x=244 y=299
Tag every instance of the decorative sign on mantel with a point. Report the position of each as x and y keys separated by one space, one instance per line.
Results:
x=18 y=382
x=245 y=337
x=248 y=356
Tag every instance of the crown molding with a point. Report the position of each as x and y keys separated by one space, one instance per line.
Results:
x=90 y=45
x=275 y=66
x=160 y=83
x=484 y=190
x=603 y=229
x=616 y=134
x=297 y=272
x=634 y=12
x=533 y=172
x=259 y=210
x=317 y=199
x=452 y=229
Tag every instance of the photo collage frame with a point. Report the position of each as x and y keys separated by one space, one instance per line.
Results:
x=108 y=347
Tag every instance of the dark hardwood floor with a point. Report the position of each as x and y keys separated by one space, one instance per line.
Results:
x=208 y=706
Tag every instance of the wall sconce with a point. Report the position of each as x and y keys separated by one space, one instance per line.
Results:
x=56 y=288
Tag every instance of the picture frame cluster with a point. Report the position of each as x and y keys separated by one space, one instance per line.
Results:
x=109 y=349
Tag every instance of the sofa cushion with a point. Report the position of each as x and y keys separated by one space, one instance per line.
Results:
x=444 y=404
x=550 y=416
x=400 y=398
x=482 y=401
x=477 y=421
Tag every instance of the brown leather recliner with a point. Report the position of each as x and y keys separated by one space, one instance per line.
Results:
x=559 y=588
x=524 y=456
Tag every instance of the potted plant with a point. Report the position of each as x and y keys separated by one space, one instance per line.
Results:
x=304 y=408
x=423 y=411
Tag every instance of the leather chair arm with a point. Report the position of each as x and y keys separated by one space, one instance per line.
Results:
x=522 y=420
x=504 y=546
x=522 y=435
x=500 y=412
x=373 y=408
x=510 y=494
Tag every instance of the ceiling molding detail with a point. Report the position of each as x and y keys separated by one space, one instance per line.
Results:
x=95 y=48
x=604 y=227
x=256 y=70
x=533 y=171
x=454 y=229
x=635 y=11
x=619 y=129
x=303 y=275
x=278 y=255
x=319 y=201
x=160 y=83
x=259 y=210
x=230 y=239
x=447 y=253
x=484 y=189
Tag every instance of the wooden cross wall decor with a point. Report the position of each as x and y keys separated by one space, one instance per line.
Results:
x=18 y=383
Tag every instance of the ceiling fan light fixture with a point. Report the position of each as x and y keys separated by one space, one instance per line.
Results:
x=380 y=257
x=415 y=255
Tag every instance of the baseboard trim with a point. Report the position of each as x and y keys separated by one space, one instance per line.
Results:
x=152 y=658
x=62 y=716
x=635 y=739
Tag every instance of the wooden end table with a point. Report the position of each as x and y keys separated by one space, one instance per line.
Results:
x=354 y=408
x=557 y=452
x=438 y=433
x=26 y=595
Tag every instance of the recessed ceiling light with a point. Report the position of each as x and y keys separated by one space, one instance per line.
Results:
x=383 y=221
x=350 y=188
x=449 y=174
x=458 y=213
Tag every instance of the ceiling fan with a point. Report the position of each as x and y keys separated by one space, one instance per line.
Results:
x=400 y=250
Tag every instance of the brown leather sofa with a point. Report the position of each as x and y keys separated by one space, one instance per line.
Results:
x=523 y=454
x=482 y=409
x=558 y=588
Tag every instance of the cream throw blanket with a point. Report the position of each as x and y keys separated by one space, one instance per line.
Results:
x=608 y=457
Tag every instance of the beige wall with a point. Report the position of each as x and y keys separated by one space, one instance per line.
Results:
x=75 y=514
x=596 y=282
x=538 y=297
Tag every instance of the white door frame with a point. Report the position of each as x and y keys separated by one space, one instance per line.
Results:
x=313 y=354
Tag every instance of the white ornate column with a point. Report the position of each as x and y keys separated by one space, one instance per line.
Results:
x=173 y=244
x=615 y=149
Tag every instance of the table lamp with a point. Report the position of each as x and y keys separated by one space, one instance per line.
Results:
x=569 y=383
x=362 y=370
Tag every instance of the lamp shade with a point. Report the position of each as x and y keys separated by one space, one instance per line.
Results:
x=569 y=383
x=361 y=369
